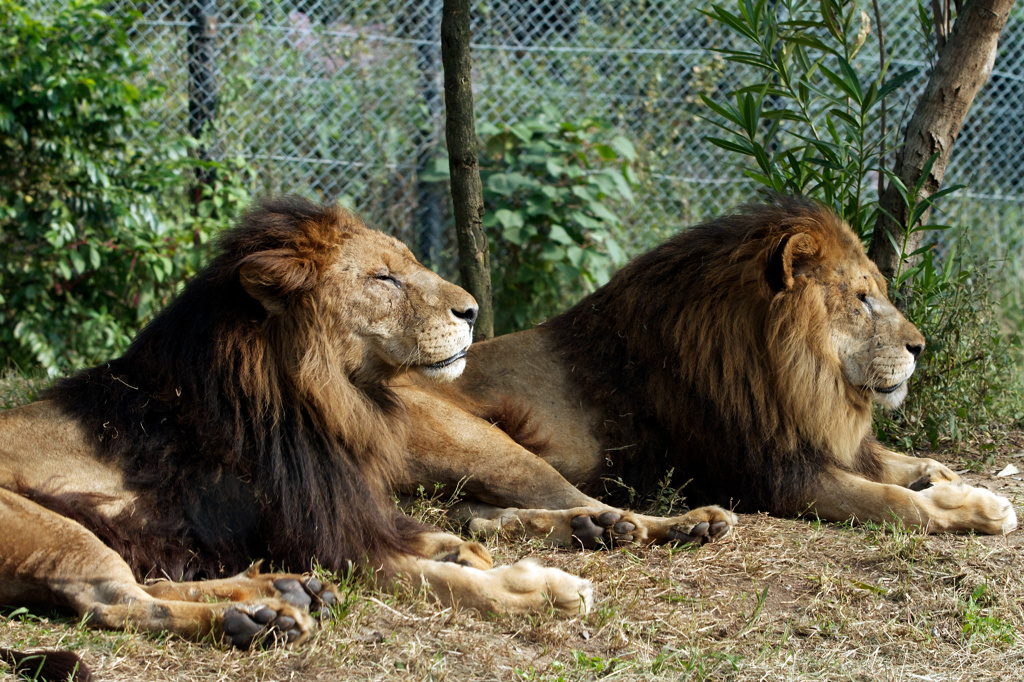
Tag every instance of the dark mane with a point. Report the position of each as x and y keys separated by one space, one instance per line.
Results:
x=237 y=461
x=689 y=347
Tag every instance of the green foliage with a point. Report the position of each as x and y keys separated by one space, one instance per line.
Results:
x=965 y=383
x=979 y=620
x=811 y=125
x=89 y=246
x=810 y=120
x=550 y=188
x=19 y=389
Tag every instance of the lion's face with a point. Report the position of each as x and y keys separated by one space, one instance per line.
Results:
x=876 y=345
x=349 y=299
x=401 y=313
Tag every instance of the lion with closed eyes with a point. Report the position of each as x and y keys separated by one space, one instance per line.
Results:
x=250 y=420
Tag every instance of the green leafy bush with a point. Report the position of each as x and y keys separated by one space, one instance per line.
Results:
x=550 y=189
x=94 y=231
x=965 y=386
x=810 y=124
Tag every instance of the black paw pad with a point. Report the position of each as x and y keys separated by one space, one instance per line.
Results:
x=718 y=529
x=323 y=595
x=584 y=530
x=265 y=626
x=293 y=592
x=623 y=528
x=922 y=483
x=698 y=534
x=607 y=530
x=453 y=558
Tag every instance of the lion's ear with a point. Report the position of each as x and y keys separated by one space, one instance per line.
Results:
x=271 y=277
x=791 y=258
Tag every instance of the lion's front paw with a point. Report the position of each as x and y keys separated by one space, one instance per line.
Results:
x=962 y=508
x=265 y=623
x=529 y=580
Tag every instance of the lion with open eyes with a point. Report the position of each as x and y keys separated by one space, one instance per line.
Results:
x=742 y=358
x=250 y=421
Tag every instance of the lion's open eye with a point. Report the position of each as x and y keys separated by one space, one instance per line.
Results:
x=863 y=298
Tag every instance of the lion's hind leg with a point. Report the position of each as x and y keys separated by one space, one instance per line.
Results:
x=302 y=591
x=451 y=548
x=459 y=573
x=49 y=559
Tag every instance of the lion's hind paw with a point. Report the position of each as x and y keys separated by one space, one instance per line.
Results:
x=702 y=525
x=306 y=593
x=265 y=623
x=606 y=529
x=301 y=591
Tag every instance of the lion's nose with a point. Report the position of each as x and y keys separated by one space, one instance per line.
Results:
x=468 y=314
x=915 y=349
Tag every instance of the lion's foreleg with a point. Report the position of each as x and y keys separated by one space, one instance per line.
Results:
x=455 y=448
x=951 y=508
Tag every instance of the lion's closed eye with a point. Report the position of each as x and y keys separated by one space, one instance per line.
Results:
x=388 y=278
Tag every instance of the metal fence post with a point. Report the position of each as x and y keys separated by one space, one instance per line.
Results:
x=429 y=197
x=202 y=77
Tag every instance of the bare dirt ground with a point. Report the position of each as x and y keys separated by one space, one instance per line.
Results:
x=778 y=600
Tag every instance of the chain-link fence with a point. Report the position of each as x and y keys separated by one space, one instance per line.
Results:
x=344 y=99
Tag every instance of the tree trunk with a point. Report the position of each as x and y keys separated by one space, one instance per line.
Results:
x=963 y=66
x=467 y=192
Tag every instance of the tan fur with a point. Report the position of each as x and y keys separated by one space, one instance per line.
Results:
x=743 y=355
x=309 y=327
